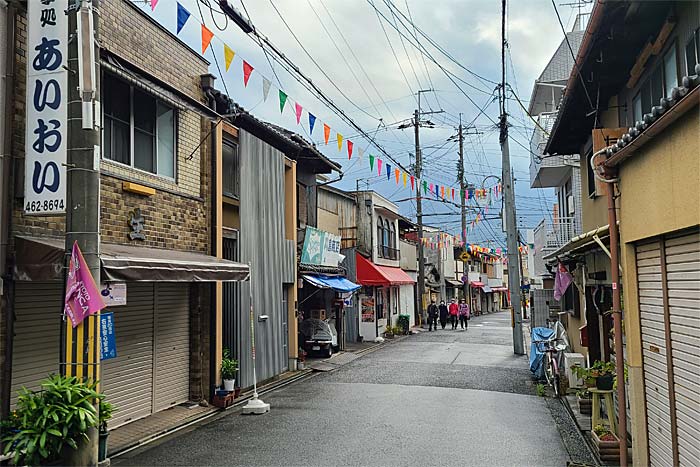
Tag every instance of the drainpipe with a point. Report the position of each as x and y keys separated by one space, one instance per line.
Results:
x=617 y=312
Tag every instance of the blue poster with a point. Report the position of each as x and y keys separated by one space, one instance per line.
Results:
x=108 y=343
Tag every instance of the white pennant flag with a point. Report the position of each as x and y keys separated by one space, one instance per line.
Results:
x=266 y=88
x=360 y=152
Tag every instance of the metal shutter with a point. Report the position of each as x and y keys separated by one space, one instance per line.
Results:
x=128 y=379
x=37 y=340
x=172 y=357
x=654 y=353
x=683 y=279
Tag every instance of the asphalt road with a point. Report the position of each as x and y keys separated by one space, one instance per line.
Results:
x=436 y=398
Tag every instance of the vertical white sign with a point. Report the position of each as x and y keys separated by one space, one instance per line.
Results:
x=47 y=103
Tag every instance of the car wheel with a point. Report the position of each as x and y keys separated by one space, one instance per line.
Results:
x=329 y=351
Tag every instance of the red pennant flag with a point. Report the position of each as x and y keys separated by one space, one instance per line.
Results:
x=349 y=143
x=326 y=132
x=206 y=38
x=453 y=194
x=247 y=70
x=412 y=181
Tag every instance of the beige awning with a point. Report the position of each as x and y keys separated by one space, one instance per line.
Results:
x=42 y=258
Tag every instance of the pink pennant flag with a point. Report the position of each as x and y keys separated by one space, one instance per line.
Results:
x=153 y=4
x=82 y=296
x=349 y=144
x=247 y=70
x=379 y=166
x=298 y=109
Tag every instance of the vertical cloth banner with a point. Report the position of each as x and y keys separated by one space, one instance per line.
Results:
x=46 y=108
x=82 y=295
x=562 y=281
x=108 y=342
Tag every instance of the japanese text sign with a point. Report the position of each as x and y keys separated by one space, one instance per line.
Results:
x=321 y=248
x=47 y=103
x=108 y=343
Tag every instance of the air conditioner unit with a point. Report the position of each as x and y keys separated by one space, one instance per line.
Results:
x=571 y=359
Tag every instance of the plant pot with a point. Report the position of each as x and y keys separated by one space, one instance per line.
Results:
x=585 y=405
x=388 y=336
x=604 y=383
x=229 y=384
x=102 y=448
x=608 y=451
x=237 y=391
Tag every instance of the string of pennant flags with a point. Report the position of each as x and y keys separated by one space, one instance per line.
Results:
x=400 y=176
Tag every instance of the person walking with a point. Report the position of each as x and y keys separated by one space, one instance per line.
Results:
x=464 y=314
x=443 y=313
x=454 y=313
x=432 y=315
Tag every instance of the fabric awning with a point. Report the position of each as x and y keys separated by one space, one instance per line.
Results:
x=41 y=258
x=454 y=283
x=486 y=289
x=476 y=284
x=337 y=283
x=369 y=273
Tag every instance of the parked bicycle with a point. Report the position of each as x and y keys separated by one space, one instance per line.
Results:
x=551 y=348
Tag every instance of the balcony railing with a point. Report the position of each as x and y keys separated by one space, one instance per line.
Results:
x=547 y=171
x=388 y=253
x=559 y=232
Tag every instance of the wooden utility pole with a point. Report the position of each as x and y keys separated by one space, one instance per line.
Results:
x=463 y=210
x=419 y=214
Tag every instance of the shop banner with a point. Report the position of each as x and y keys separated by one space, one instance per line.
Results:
x=46 y=107
x=321 y=248
x=82 y=296
x=108 y=343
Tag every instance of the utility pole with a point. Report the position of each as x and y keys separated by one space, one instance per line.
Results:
x=509 y=198
x=463 y=210
x=419 y=213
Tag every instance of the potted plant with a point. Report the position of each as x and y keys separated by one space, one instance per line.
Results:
x=389 y=332
x=229 y=368
x=585 y=404
x=105 y=414
x=583 y=374
x=606 y=442
x=604 y=374
x=53 y=424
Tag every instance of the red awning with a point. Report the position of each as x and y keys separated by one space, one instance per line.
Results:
x=476 y=284
x=369 y=273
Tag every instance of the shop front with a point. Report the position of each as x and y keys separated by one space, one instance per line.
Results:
x=476 y=297
x=155 y=298
x=380 y=298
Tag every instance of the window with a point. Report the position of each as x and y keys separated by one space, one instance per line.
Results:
x=395 y=304
x=392 y=236
x=637 y=109
x=380 y=304
x=385 y=244
x=230 y=169
x=139 y=130
x=657 y=86
x=591 y=176
x=380 y=235
x=670 y=71
x=692 y=52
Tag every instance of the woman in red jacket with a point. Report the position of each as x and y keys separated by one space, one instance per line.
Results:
x=454 y=313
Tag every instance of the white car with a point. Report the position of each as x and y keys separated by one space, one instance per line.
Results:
x=319 y=336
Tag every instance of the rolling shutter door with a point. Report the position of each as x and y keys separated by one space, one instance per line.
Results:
x=37 y=341
x=172 y=355
x=651 y=309
x=128 y=379
x=683 y=278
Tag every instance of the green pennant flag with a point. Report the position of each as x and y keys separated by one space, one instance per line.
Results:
x=283 y=100
x=371 y=162
x=425 y=187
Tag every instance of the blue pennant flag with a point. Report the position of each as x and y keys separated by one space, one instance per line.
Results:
x=388 y=172
x=312 y=121
x=182 y=17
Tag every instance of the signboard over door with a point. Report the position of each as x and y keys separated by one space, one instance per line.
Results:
x=321 y=248
x=46 y=106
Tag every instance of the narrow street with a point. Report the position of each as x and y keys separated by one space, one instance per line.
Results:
x=436 y=398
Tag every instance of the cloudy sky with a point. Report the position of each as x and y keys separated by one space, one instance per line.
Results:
x=355 y=55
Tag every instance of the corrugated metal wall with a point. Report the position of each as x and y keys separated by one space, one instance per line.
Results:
x=351 y=313
x=262 y=244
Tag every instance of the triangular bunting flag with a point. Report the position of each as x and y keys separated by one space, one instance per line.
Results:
x=326 y=132
x=153 y=4
x=247 y=70
x=453 y=194
x=371 y=162
x=431 y=188
x=349 y=144
x=298 y=109
x=425 y=187
x=283 y=100
x=442 y=192
x=228 y=56
x=340 y=141
x=379 y=166
x=182 y=17
x=206 y=38
x=412 y=181
x=405 y=177
x=397 y=174
x=388 y=171
x=359 y=153
x=266 y=88
x=312 y=122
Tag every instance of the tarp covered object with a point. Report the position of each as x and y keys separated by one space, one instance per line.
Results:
x=537 y=350
x=337 y=283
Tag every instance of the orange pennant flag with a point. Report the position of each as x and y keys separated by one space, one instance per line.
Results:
x=397 y=172
x=206 y=38
x=442 y=192
x=326 y=132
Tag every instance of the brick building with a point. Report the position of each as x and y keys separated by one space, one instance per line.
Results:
x=156 y=217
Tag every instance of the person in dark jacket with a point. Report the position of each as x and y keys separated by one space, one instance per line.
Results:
x=432 y=315
x=443 y=313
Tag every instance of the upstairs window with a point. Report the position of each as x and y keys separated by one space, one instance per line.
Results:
x=692 y=52
x=138 y=129
x=670 y=70
x=230 y=169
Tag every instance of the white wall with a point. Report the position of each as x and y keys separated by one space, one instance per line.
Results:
x=407 y=300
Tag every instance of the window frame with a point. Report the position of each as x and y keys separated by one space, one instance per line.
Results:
x=380 y=235
x=131 y=164
x=673 y=48
x=695 y=40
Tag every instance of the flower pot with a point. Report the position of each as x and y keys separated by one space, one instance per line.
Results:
x=102 y=448
x=229 y=384
x=237 y=391
x=608 y=450
x=604 y=383
x=388 y=336
x=585 y=405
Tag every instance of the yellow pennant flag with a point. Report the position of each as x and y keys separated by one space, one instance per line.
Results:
x=228 y=55
x=340 y=141
x=405 y=178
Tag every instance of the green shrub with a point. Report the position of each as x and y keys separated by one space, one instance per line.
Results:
x=229 y=366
